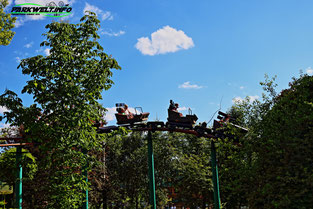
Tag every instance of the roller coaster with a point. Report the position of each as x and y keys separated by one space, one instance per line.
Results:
x=176 y=122
x=138 y=121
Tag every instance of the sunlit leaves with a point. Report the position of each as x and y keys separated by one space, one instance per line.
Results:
x=273 y=167
x=66 y=86
x=6 y=24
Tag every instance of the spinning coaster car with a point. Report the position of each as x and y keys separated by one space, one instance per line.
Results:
x=176 y=119
x=225 y=119
x=221 y=129
x=124 y=116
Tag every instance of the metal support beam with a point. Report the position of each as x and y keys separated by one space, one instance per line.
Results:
x=151 y=172
x=217 y=200
x=85 y=175
x=19 y=176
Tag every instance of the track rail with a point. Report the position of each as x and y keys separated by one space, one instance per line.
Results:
x=193 y=132
x=160 y=126
x=16 y=144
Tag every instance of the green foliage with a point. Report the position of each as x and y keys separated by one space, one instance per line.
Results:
x=272 y=168
x=181 y=162
x=6 y=24
x=8 y=166
x=127 y=168
x=285 y=148
x=66 y=86
x=193 y=178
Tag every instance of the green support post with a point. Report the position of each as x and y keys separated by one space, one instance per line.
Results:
x=85 y=174
x=151 y=172
x=19 y=176
x=217 y=200
x=4 y=201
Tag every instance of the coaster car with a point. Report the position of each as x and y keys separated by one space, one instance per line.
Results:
x=176 y=119
x=225 y=119
x=222 y=130
x=124 y=116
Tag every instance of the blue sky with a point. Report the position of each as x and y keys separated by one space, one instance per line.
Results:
x=197 y=53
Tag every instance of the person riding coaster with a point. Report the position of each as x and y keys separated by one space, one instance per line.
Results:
x=176 y=118
x=124 y=116
x=125 y=111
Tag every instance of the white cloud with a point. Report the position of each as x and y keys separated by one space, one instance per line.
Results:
x=241 y=87
x=104 y=15
x=309 y=71
x=164 y=40
x=18 y=60
x=67 y=17
x=29 y=44
x=20 y=55
x=111 y=33
x=253 y=98
x=19 y=21
x=47 y=52
x=3 y=109
x=239 y=99
x=187 y=85
x=107 y=16
x=110 y=114
x=39 y=50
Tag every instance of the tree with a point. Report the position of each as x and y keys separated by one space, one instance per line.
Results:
x=193 y=177
x=66 y=86
x=285 y=148
x=272 y=167
x=126 y=171
x=8 y=166
x=6 y=24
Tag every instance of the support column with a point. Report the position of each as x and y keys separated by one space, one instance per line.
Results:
x=217 y=200
x=19 y=176
x=151 y=172
x=85 y=175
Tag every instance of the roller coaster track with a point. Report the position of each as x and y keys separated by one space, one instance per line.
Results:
x=150 y=126
x=159 y=126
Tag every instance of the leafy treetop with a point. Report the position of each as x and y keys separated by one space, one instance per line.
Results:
x=6 y=24
x=66 y=86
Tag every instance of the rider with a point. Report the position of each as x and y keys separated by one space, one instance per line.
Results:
x=174 y=107
x=127 y=112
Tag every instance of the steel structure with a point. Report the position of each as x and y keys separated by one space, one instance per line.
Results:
x=151 y=126
x=19 y=171
x=160 y=126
